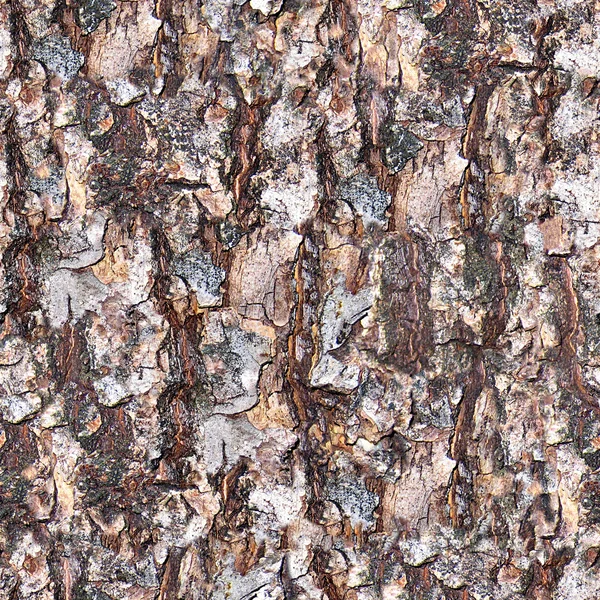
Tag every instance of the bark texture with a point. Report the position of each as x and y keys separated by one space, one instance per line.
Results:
x=300 y=299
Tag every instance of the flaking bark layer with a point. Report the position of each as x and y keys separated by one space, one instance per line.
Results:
x=299 y=299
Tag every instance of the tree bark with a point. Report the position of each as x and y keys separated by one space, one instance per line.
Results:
x=300 y=299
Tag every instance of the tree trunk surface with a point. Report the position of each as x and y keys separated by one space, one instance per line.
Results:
x=300 y=299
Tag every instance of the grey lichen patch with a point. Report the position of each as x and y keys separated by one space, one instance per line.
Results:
x=354 y=499
x=51 y=190
x=140 y=573
x=333 y=375
x=83 y=245
x=341 y=310
x=17 y=408
x=19 y=365
x=399 y=146
x=202 y=276
x=56 y=54
x=261 y=583
x=419 y=551
x=123 y=92
x=92 y=12
x=72 y=294
x=426 y=113
x=227 y=439
x=118 y=388
x=381 y=404
x=233 y=359
x=53 y=414
x=111 y=391
x=428 y=377
x=219 y=14
x=431 y=407
x=196 y=146
x=364 y=196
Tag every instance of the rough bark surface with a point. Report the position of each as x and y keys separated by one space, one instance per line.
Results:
x=299 y=299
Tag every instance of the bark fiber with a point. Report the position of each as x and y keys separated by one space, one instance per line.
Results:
x=299 y=299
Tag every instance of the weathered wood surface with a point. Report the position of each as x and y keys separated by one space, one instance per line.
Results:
x=300 y=299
